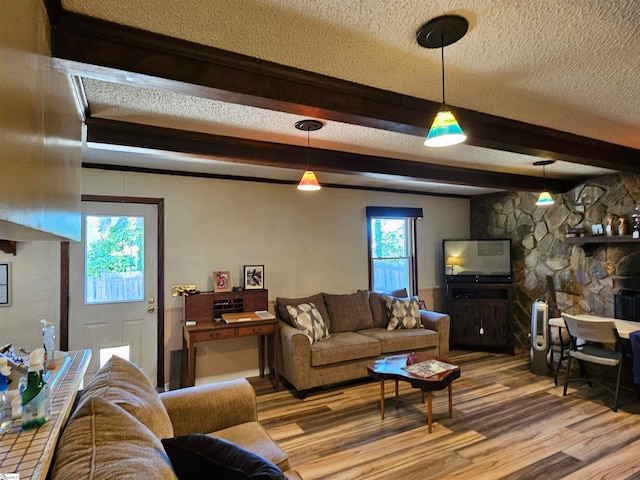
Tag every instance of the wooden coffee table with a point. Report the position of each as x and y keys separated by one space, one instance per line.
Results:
x=391 y=368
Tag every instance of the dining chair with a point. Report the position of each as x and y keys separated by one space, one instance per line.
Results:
x=593 y=335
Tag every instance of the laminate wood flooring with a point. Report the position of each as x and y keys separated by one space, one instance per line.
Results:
x=507 y=424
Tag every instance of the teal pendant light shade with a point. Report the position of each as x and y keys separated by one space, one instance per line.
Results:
x=438 y=33
x=444 y=130
x=544 y=199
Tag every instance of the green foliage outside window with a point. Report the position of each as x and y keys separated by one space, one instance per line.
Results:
x=114 y=244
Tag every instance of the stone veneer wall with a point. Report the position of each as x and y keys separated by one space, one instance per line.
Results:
x=583 y=284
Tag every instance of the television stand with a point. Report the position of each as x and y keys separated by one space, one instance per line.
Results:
x=481 y=315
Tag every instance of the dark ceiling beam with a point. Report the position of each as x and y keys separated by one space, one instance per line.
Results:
x=90 y=47
x=105 y=132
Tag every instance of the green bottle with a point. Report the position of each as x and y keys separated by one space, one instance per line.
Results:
x=34 y=395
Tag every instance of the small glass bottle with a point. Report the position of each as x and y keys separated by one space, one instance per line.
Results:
x=6 y=414
x=636 y=221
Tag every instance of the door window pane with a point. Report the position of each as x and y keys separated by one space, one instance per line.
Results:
x=114 y=267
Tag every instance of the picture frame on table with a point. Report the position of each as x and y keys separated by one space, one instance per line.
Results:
x=222 y=281
x=253 y=277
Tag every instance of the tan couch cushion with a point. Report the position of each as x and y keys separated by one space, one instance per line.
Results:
x=403 y=340
x=103 y=441
x=124 y=384
x=349 y=312
x=251 y=436
x=343 y=347
x=317 y=300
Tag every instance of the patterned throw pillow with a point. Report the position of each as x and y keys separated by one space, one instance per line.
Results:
x=307 y=318
x=403 y=312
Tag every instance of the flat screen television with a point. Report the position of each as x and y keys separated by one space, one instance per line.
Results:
x=479 y=261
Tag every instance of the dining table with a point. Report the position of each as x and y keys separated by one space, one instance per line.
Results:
x=624 y=327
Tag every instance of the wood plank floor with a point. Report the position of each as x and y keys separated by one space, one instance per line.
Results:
x=507 y=424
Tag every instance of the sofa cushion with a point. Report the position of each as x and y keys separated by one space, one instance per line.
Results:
x=344 y=347
x=198 y=455
x=403 y=340
x=378 y=306
x=103 y=441
x=317 y=300
x=349 y=312
x=251 y=436
x=403 y=312
x=308 y=320
x=126 y=385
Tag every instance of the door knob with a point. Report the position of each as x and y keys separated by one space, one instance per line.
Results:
x=151 y=308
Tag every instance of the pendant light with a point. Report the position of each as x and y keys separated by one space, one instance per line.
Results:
x=308 y=182
x=438 y=33
x=544 y=199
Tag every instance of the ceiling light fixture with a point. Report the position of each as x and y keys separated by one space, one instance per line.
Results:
x=308 y=182
x=438 y=33
x=544 y=199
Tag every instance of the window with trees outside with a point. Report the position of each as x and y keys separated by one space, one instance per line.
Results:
x=391 y=236
x=114 y=266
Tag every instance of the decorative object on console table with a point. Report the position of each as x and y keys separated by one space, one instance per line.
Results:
x=253 y=277
x=222 y=281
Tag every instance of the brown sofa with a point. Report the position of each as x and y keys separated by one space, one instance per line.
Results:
x=357 y=324
x=117 y=428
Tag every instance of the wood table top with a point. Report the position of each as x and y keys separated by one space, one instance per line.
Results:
x=392 y=368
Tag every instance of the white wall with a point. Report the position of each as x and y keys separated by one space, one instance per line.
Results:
x=308 y=242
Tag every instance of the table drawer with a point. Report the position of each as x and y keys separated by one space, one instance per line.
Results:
x=213 y=334
x=255 y=330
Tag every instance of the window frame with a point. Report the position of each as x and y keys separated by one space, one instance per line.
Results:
x=410 y=215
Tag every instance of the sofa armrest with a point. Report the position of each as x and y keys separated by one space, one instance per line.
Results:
x=296 y=356
x=441 y=323
x=212 y=407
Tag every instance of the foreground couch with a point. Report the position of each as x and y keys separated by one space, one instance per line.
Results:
x=358 y=329
x=121 y=428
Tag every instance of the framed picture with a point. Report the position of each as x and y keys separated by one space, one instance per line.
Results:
x=5 y=297
x=597 y=229
x=221 y=281
x=253 y=277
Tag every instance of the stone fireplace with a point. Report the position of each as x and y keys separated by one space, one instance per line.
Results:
x=583 y=284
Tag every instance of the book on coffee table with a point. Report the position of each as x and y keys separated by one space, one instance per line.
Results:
x=428 y=368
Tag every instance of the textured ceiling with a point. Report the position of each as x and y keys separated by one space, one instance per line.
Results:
x=572 y=66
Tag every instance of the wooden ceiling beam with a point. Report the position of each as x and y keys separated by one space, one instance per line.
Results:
x=94 y=48
x=105 y=132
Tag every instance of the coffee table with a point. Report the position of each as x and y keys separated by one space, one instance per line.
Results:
x=391 y=368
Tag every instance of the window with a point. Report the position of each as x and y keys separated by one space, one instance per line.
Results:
x=114 y=259
x=391 y=236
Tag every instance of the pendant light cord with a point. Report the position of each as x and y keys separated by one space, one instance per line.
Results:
x=442 y=64
x=308 y=152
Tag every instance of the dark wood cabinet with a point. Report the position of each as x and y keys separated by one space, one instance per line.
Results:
x=481 y=315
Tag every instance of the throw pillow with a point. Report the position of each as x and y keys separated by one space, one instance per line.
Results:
x=197 y=455
x=403 y=312
x=317 y=300
x=378 y=306
x=307 y=318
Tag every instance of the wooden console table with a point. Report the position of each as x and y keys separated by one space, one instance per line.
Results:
x=30 y=452
x=202 y=322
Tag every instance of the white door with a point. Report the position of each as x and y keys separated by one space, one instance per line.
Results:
x=113 y=285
